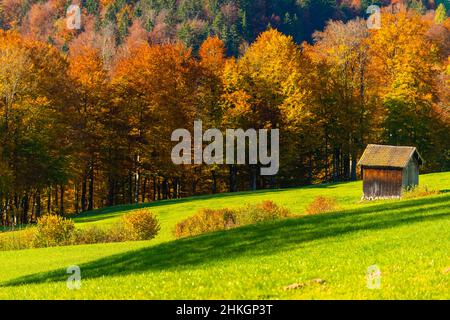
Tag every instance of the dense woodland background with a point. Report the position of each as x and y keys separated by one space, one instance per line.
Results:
x=86 y=115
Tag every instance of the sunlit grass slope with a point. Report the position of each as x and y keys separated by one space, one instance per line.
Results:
x=409 y=240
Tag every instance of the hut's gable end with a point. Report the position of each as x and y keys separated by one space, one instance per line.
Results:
x=411 y=174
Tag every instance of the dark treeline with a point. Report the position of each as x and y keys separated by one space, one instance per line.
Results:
x=83 y=130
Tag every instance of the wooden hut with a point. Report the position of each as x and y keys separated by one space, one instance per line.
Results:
x=387 y=170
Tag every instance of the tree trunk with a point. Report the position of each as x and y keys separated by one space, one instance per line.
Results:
x=137 y=180
x=253 y=177
x=49 y=200
x=154 y=188
x=33 y=208
x=144 y=190
x=165 y=188
x=83 y=193
x=1 y=209
x=91 y=188
x=61 y=207
x=38 y=203
x=76 y=198
x=347 y=166
x=233 y=170
x=159 y=189
x=326 y=158
x=175 y=188
x=310 y=169
x=56 y=198
x=353 y=169
x=214 y=181
x=194 y=186
x=8 y=210
x=130 y=187
x=336 y=167
x=25 y=208
x=111 y=191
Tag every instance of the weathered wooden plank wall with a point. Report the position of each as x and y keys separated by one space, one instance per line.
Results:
x=411 y=174
x=380 y=183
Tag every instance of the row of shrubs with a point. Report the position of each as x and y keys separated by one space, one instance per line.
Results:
x=53 y=230
x=208 y=220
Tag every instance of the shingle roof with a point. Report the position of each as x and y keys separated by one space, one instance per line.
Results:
x=388 y=156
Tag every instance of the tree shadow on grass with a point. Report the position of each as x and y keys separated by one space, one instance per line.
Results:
x=254 y=240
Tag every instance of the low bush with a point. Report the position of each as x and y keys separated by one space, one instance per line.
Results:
x=260 y=212
x=322 y=204
x=116 y=233
x=419 y=192
x=140 y=225
x=28 y=237
x=206 y=220
x=16 y=240
x=7 y=243
x=90 y=235
x=53 y=230
x=209 y=220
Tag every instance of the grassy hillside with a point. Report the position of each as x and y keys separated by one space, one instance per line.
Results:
x=408 y=239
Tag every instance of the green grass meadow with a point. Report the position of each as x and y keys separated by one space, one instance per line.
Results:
x=409 y=240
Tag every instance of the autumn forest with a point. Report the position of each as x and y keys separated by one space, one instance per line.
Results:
x=86 y=115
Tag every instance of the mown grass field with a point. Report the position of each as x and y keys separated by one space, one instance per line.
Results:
x=408 y=239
